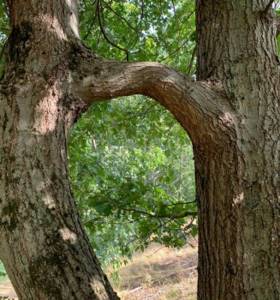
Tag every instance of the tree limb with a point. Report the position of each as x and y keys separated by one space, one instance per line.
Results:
x=192 y=103
x=98 y=12
x=180 y=215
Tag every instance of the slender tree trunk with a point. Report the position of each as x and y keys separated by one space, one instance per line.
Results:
x=238 y=181
x=43 y=246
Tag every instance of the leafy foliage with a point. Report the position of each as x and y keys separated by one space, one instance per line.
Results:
x=130 y=162
x=141 y=30
x=132 y=174
x=2 y=272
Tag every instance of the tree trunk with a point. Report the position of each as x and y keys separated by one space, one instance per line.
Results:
x=238 y=182
x=232 y=115
x=43 y=246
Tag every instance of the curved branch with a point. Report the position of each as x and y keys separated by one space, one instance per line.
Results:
x=123 y=19
x=195 y=105
x=183 y=214
x=98 y=12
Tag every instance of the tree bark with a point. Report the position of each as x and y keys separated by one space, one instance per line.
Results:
x=238 y=183
x=231 y=114
x=45 y=251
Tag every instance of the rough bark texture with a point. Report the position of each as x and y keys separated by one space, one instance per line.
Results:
x=231 y=114
x=43 y=246
x=238 y=183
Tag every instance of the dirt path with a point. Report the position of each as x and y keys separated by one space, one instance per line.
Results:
x=160 y=274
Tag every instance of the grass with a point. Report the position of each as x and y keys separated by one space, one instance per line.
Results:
x=159 y=274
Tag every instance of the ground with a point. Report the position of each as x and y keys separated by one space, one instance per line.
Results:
x=6 y=290
x=159 y=273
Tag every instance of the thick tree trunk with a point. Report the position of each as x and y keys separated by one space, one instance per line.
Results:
x=45 y=251
x=238 y=219
x=43 y=246
x=238 y=182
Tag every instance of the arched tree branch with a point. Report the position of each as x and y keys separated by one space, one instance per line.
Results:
x=201 y=103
